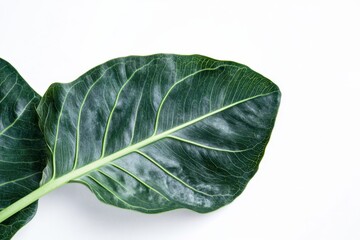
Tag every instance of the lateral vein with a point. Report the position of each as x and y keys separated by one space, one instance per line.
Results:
x=208 y=147
x=138 y=179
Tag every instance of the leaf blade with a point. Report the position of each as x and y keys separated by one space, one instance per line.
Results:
x=111 y=114
x=22 y=147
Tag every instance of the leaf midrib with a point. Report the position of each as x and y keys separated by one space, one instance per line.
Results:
x=77 y=173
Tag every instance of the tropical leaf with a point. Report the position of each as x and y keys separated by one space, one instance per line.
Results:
x=22 y=147
x=159 y=132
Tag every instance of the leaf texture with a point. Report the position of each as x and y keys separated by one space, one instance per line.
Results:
x=155 y=133
x=22 y=147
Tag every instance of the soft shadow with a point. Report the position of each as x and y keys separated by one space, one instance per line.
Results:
x=83 y=202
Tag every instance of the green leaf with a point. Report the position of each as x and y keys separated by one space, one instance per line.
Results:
x=22 y=147
x=160 y=132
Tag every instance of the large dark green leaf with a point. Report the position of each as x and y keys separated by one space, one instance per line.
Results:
x=160 y=132
x=21 y=147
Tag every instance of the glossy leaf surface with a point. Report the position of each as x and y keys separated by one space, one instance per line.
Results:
x=21 y=147
x=160 y=132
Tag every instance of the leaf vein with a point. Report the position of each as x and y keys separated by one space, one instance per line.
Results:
x=115 y=104
x=208 y=147
x=138 y=179
x=18 y=179
x=17 y=118
x=173 y=176
x=177 y=83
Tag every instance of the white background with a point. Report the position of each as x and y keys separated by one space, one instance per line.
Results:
x=308 y=183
